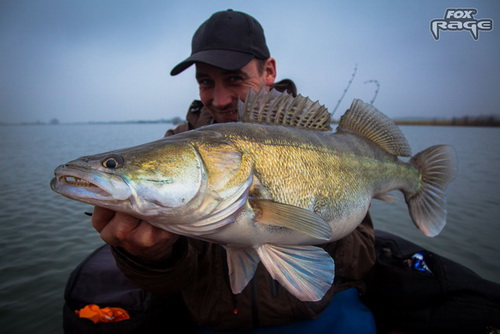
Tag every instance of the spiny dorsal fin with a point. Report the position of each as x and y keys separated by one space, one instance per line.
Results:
x=283 y=109
x=366 y=121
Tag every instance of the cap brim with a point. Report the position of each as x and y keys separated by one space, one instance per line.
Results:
x=225 y=59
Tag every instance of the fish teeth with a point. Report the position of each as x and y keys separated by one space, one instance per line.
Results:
x=75 y=181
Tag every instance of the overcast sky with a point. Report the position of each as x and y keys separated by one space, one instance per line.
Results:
x=96 y=60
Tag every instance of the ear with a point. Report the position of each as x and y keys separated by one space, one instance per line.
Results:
x=270 y=71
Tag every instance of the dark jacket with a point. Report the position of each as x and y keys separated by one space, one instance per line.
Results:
x=198 y=270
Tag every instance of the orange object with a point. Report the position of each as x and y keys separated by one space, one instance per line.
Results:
x=106 y=314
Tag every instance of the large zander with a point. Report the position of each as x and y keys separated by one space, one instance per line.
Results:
x=270 y=187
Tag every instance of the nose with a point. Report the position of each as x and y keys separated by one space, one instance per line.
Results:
x=222 y=97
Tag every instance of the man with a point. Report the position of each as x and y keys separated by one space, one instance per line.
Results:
x=231 y=56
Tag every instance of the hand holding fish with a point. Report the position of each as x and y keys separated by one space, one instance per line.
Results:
x=147 y=243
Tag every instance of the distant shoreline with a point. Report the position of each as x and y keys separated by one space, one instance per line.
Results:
x=52 y=123
x=480 y=122
x=472 y=122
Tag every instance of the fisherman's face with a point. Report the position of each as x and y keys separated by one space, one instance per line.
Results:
x=221 y=89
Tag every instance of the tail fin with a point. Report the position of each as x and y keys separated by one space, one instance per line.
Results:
x=427 y=206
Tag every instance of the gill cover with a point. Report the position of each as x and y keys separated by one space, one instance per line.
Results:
x=169 y=176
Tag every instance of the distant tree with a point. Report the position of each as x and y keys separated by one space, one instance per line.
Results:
x=54 y=121
x=177 y=120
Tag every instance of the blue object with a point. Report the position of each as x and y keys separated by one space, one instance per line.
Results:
x=345 y=314
x=418 y=263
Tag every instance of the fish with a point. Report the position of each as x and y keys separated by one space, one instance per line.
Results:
x=272 y=187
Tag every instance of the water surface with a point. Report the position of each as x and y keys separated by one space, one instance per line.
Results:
x=43 y=236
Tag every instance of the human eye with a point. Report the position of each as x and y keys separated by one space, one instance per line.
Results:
x=205 y=82
x=235 y=79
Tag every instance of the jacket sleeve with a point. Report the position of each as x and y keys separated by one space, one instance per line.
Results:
x=167 y=277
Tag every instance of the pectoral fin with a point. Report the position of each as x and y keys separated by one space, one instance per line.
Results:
x=307 y=272
x=242 y=263
x=292 y=217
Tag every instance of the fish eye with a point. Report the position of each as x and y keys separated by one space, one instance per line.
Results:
x=113 y=162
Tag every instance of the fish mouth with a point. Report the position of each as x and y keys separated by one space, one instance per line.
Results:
x=89 y=185
x=75 y=181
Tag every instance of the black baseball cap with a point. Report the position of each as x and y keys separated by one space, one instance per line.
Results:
x=227 y=40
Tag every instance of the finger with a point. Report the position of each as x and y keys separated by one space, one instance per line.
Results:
x=147 y=235
x=117 y=231
x=101 y=217
x=149 y=243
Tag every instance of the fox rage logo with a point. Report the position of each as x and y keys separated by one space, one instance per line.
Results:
x=460 y=20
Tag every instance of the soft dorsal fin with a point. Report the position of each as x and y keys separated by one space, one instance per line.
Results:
x=366 y=121
x=283 y=109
